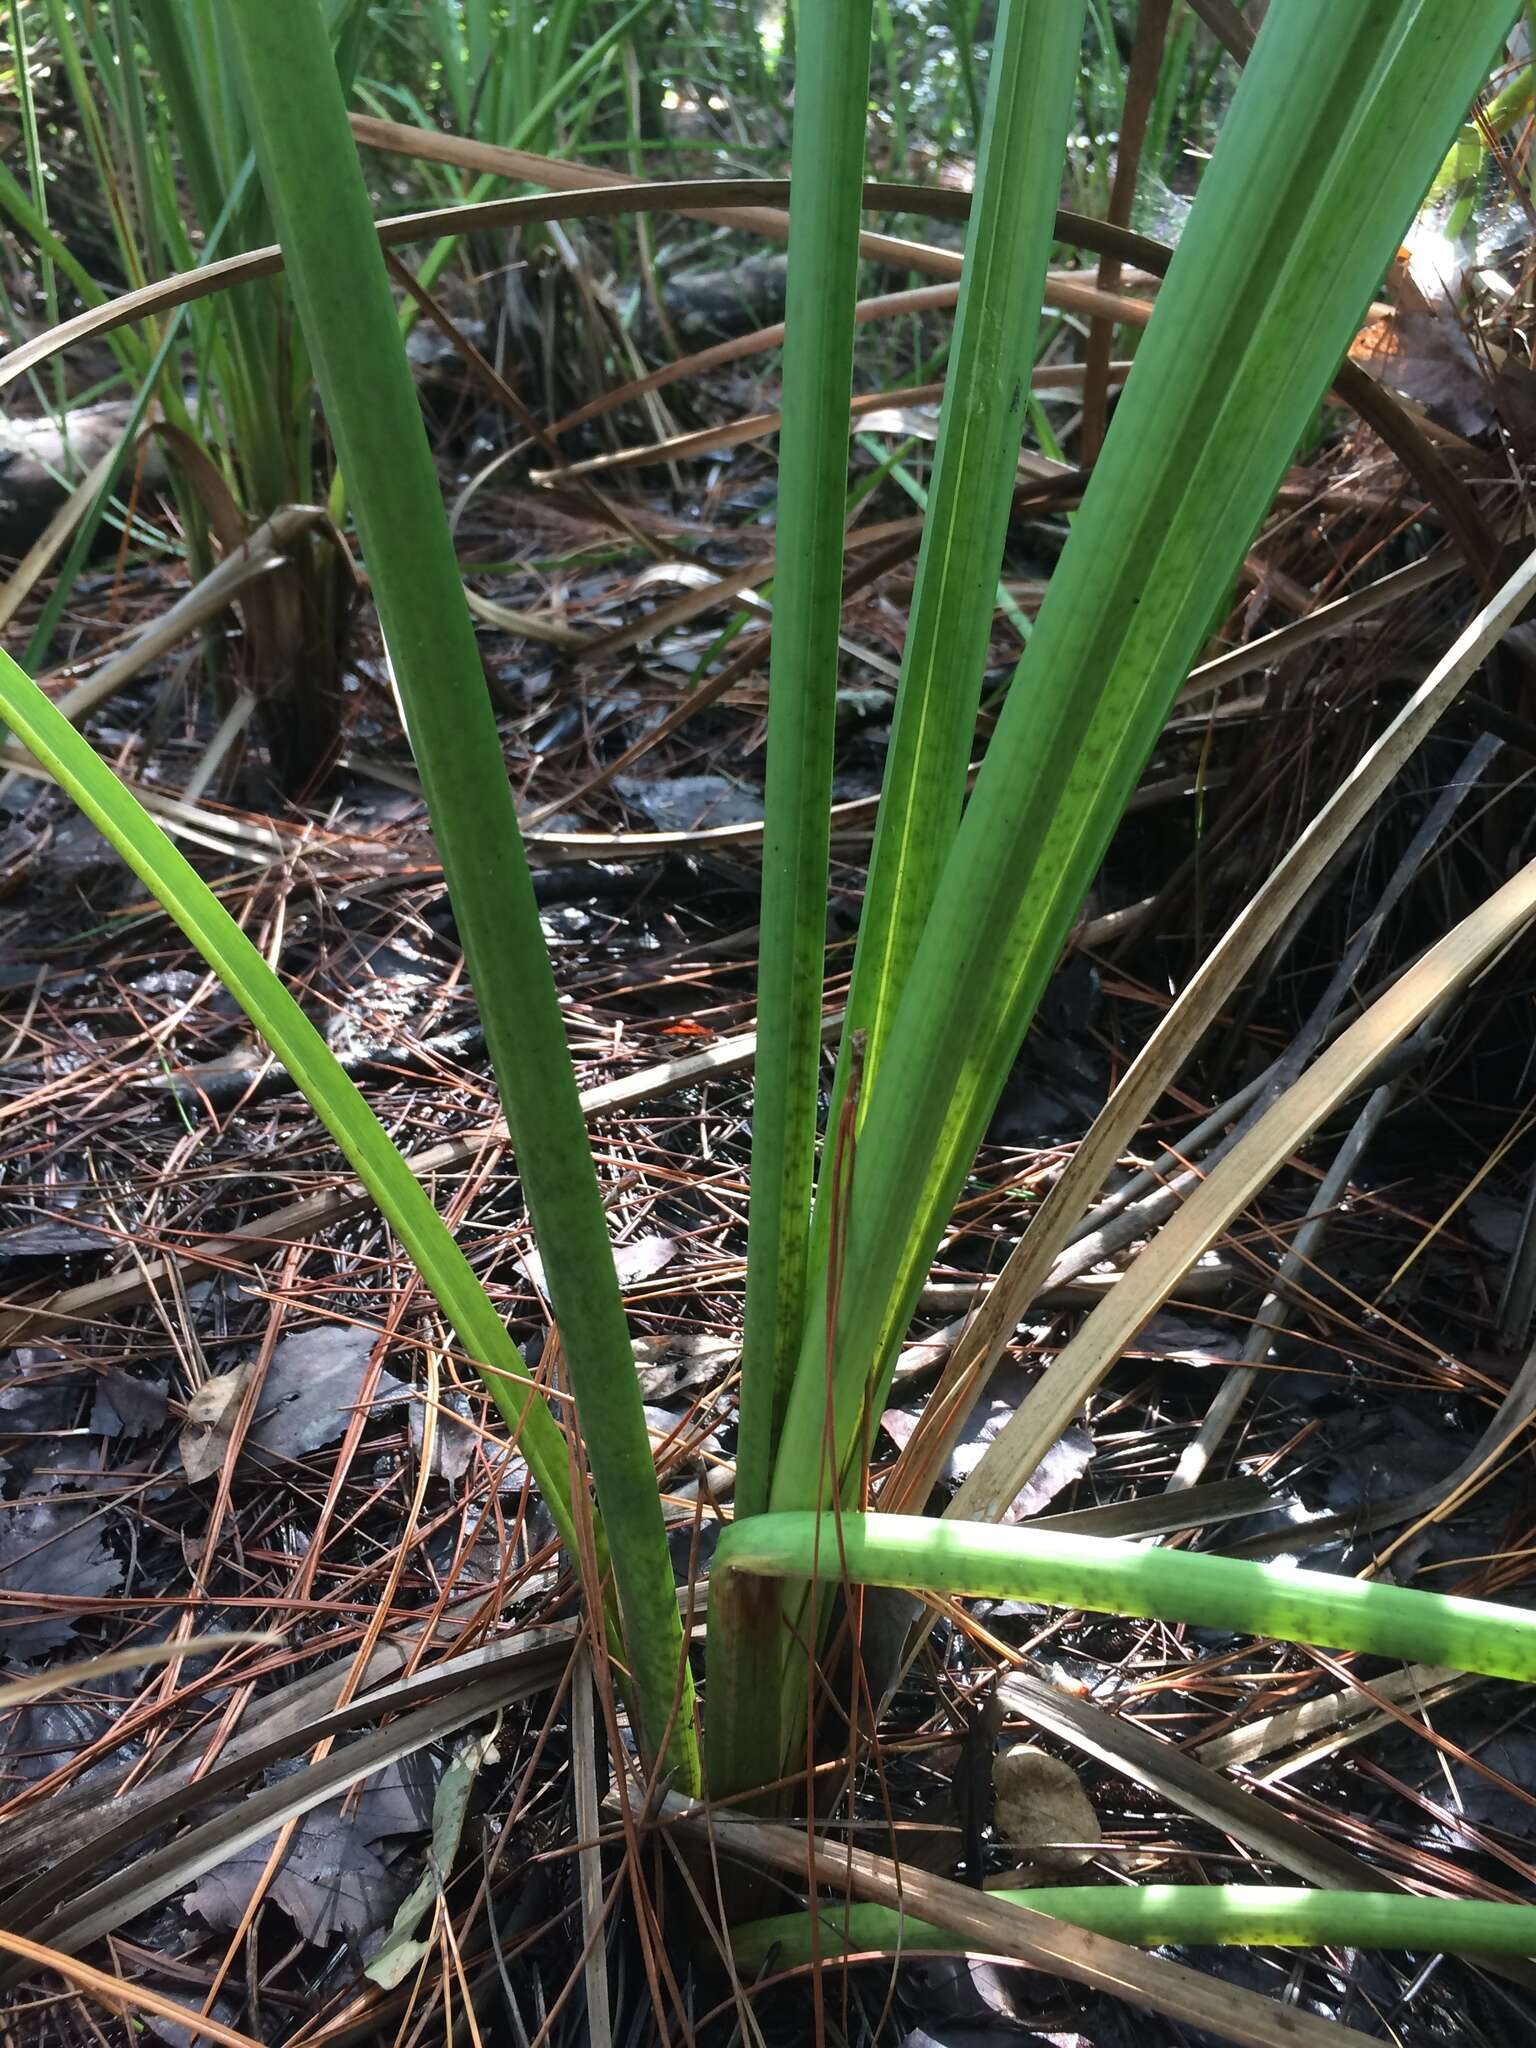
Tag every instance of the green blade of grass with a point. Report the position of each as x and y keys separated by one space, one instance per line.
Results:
x=826 y=190
x=997 y=325
x=1030 y=96
x=1169 y=1915
x=1336 y=127
x=309 y=167
x=1101 y=1576
x=325 y=1085
x=826 y=186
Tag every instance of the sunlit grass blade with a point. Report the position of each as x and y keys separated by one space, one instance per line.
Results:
x=309 y=167
x=1173 y=1916
x=997 y=325
x=826 y=187
x=1336 y=127
x=1098 y=1575
x=330 y=1092
x=1030 y=96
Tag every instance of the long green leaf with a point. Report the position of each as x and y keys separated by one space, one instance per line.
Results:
x=1336 y=127
x=1030 y=98
x=326 y=1086
x=826 y=189
x=1101 y=1576
x=309 y=167
x=1174 y=1916
x=1030 y=95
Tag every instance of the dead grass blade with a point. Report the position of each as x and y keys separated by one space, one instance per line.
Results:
x=927 y=298
x=695 y=198
x=1416 y=1684
x=1078 y=1369
x=1071 y=292
x=1168 y=1049
x=155 y=1877
x=990 y=1927
x=119 y=1995
x=75 y=1831
x=758 y=426
x=1196 y=1788
x=25 y=1690
x=1321 y=624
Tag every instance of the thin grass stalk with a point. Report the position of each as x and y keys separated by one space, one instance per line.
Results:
x=1030 y=97
x=309 y=167
x=1335 y=129
x=317 y=1073
x=1167 y=1915
x=826 y=186
x=1098 y=1575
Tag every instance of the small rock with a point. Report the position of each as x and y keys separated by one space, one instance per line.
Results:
x=1041 y=1806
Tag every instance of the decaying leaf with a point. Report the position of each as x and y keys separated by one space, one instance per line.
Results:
x=634 y=1261
x=1427 y=356
x=313 y=1382
x=48 y=1549
x=126 y=1405
x=1066 y=1460
x=454 y=1438
x=401 y=1949
x=332 y=1880
x=312 y=1386
x=683 y=803
x=682 y=1363
x=211 y=1416
x=52 y=1240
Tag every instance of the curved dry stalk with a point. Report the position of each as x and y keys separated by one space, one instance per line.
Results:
x=772 y=222
x=1065 y=292
x=989 y=1927
x=1080 y=1367
x=688 y=196
x=1182 y=1027
x=927 y=298
x=759 y=425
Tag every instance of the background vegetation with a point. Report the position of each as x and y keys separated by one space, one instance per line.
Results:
x=435 y=506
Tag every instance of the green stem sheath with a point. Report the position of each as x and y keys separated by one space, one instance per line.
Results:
x=1171 y=1916
x=1102 y=1576
x=309 y=166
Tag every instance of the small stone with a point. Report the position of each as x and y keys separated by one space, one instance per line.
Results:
x=1041 y=1806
